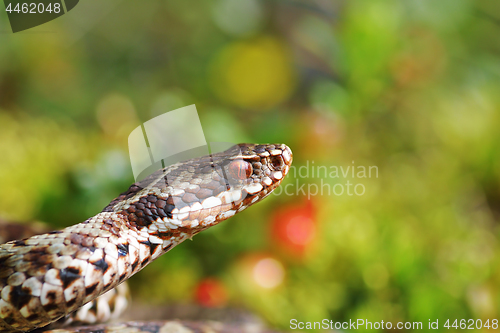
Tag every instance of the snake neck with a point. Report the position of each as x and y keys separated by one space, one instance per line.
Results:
x=72 y=267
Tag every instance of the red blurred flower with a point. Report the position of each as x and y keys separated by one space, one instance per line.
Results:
x=211 y=293
x=293 y=228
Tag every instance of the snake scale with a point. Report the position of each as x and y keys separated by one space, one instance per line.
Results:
x=47 y=277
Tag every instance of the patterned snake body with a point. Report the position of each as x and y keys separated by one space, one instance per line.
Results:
x=46 y=277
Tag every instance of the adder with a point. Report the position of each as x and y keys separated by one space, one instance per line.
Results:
x=49 y=277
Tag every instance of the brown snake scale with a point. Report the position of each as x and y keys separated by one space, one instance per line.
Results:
x=47 y=277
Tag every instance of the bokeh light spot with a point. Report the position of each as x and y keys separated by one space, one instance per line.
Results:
x=300 y=230
x=255 y=74
x=268 y=273
x=211 y=293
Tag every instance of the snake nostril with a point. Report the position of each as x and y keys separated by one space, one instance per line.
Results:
x=276 y=162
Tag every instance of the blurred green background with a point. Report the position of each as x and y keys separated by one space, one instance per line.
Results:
x=409 y=87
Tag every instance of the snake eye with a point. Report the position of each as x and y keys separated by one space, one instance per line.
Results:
x=239 y=169
x=277 y=162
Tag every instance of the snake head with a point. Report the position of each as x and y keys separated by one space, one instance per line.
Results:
x=193 y=195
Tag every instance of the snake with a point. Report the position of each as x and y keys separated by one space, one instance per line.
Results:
x=47 y=277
